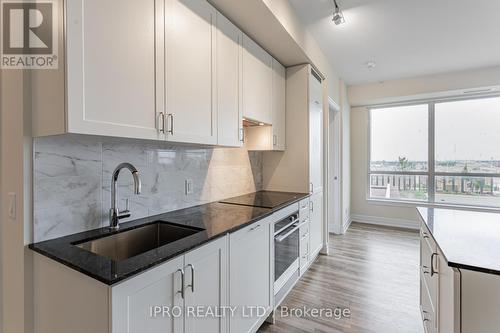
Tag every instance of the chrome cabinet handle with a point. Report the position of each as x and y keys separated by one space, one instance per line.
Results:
x=161 y=121
x=254 y=228
x=182 y=283
x=191 y=266
x=171 y=130
x=242 y=135
x=311 y=188
x=275 y=140
x=424 y=234
x=432 y=264
x=311 y=206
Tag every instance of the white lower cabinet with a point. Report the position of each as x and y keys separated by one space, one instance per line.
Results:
x=250 y=277
x=197 y=279
x=132 y=300
x=315 y=224
x=232 y=273
x=206 y=286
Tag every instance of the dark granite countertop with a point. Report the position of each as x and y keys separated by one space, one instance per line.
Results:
x=216 y=219
x=468 y=239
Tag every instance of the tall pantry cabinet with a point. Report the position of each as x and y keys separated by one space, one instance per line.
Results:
x=300 y=167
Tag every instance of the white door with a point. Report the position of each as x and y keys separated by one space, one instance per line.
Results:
x=111 y=67
x=257 y=82
x=250 y=276
x=315 y=223
x=206 y=286
x=315 y=135
x=229 y=88
x=189 y=65
x=133 y=302
x=278 y=110
x=334 y=209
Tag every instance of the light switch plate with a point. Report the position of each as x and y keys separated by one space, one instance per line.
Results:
x=188 y=186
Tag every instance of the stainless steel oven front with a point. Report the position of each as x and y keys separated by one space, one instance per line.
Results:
x=286 y=255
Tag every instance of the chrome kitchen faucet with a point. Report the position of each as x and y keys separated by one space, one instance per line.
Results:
x=114 y=214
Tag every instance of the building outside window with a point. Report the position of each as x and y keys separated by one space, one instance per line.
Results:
x=445 y=152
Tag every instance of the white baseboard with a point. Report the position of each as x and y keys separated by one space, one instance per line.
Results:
x=333 y=229
x=386 y=221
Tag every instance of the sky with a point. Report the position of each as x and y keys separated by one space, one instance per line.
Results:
x=465 y=130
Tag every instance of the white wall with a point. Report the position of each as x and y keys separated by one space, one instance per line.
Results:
x=423 y=86
x=16 y=259
x=360 y=96
x=345 y=157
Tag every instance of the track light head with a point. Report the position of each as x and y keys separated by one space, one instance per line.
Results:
x=338 y=16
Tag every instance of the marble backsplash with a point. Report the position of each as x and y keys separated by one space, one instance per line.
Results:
x=72 y=178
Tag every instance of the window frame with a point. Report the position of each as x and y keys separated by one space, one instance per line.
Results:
x=431 y=172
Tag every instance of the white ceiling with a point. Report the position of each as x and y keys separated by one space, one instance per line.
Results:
x=405 y=38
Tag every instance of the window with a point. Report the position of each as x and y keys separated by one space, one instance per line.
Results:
x=399 y=152
x=442 y=152
x=467 y=137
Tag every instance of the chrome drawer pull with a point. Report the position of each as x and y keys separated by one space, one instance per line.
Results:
x=432 y=264
x=182 y=283
x=192 y=277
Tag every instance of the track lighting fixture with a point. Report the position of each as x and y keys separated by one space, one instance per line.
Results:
x=338 y=16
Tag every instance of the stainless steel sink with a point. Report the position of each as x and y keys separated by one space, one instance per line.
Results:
x=128 y=244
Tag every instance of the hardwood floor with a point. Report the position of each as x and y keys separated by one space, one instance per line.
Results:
x=373 y=271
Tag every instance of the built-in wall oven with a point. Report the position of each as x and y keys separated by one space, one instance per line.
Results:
x=286 y=255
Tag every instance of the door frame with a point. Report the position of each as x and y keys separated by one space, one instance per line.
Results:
x=333 y=169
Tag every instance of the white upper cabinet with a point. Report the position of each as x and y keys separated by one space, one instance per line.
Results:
x=174 y=70
x=229 y=85
x=278 y=109
x=315 y=134
x=111 y=68
x=189 y=63
x=257 y=82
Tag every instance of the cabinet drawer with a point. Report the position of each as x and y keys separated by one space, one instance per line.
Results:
x=304 y=228
x=304 y=209
x=427 y=311
x=304 y=251
x=427 y=270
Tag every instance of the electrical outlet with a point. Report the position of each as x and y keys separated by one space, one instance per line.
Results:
x=188 y=186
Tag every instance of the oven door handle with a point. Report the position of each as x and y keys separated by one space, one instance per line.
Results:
x=293 y=222
x=279 y=239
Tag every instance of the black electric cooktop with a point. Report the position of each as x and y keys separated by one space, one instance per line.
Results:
x=264 y=199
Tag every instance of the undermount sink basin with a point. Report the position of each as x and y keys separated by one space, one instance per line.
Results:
x=130 y=243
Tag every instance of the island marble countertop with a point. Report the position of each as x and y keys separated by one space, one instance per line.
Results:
x=215 y=219
x=468 y=239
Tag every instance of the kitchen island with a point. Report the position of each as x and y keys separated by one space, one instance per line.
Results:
x=459 y=270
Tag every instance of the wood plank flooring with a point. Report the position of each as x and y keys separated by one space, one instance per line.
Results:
x=373 y=271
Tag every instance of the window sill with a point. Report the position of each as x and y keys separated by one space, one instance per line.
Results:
x=414 y=204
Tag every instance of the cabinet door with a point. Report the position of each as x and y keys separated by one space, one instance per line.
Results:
x=257 y=82
x=111 y=67
x=278 y=109
x=315 y=135
x=315 y=224
x=229 y=101
x=250 y=276
x=206 y=286
x=189 y=63
x=133 y=301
